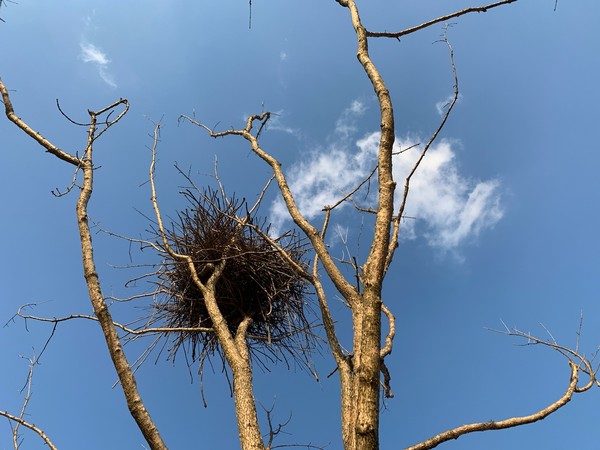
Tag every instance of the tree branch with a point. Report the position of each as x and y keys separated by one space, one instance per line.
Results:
x=477 y=9
x=577 y=362
x=31 y=426
x=116 y=324
x=51 y=148
x=115 y=349
x=457 y=432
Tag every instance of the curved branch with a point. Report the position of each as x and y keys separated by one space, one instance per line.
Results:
x=374 y=267
x=583 y=363
x=389 y=338
x=32 y=427
x=457 y=432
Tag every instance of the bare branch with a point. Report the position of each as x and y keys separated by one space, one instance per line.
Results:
x=51 y=148
x=577 y=362
x=131 y=331
x=74 y=122
x=446 y=18
x=154 y=201
x=581 y=361
x=457 y=432
x=579 y=331
x=31 y=426
x=57 y=193
x=109 y=123
x=400 y=215
x=386 y=383
x=144 y=242
x=274 y=431
x=33 y=361
x=389 y=339
x=134 y=401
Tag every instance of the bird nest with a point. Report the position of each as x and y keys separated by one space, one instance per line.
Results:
x=257 y=282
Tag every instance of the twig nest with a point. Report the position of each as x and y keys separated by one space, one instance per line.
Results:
x=257 y=281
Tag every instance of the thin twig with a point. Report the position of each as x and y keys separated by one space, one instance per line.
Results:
x=396 y=223
x=56 y=320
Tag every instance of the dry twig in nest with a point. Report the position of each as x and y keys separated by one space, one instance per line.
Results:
x=257 y=281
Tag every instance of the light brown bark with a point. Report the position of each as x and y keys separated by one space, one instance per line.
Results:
x=362 y=425
x=113 y=343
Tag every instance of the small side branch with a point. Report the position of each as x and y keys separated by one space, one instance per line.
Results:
x=389 y=339
x=396 y=223
x=33 y=361
x=128 y=330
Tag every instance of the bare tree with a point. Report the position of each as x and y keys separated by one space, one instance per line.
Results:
x=197 y=279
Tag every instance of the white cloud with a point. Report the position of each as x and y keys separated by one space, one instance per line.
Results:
x=283 y=56
x=92 y=54
x=449 y=208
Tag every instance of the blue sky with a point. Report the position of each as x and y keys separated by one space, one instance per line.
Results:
x=506 y=206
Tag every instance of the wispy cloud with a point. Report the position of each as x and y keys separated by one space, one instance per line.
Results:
x=346 y=124
x=92 y=54
x=277 y=123
x=441 y=106
x=450 y=209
